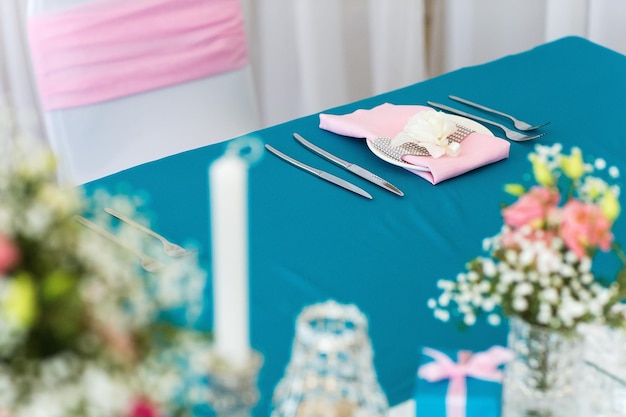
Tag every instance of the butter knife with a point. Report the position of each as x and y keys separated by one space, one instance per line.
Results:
x=319 y=173
x=355 y=169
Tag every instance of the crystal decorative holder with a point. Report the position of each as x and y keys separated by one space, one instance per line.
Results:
x=543 y=378
x=603 y=393
x=331 y=371
x=233 y=391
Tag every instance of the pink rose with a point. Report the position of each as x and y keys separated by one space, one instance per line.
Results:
x=9 y=255
x=143 y=407
x=584 y=226
x=532 y=206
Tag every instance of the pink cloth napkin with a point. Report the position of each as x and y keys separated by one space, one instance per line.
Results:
x=389 y=119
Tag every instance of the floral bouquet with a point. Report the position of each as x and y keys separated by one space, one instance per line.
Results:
x=83 y=330
x=538 y=268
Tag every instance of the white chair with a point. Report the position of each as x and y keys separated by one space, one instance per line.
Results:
x=98 y=139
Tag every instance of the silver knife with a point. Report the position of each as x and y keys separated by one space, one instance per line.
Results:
x=319 y=173
x=355 y=169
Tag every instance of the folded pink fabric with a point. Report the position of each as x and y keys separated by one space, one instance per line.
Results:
x=107 y=49
x=388 y=120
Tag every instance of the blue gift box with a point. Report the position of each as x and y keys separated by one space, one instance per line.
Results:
x=483 y=398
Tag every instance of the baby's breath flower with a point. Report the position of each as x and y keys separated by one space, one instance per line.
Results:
x=544 y=281
x=549 y=295
x=494 y=319
x=489 y=268
x=469 y=319
x=567 y=271
x=444 y=299
x=445 y=285
x=545 y=314
x=442 y=315
x=489 y=304
x=586 y=278
x=484 y=287
x=523 y=289
x=520 y=304
x=557 y=281
x=599 y=163
x=464 y=307
x=473 y=276
x=511 y=257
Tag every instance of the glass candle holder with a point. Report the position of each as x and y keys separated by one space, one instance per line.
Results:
x=233 y=392
x=331 y=371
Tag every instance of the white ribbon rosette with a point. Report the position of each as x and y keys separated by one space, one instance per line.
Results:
x=430 y=129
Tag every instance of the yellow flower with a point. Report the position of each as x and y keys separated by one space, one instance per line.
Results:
x=609 y=204
x=20 y=305
x=542 y=173
x=573 y=165
x=514 y=189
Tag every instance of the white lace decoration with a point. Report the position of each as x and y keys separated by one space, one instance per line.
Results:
x=430 y=129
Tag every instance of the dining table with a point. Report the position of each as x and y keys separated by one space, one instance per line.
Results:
x=310 y=241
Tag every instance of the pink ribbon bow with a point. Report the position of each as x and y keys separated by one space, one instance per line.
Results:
x=481 y=365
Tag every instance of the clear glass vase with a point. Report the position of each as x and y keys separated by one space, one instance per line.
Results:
x=331 y=371
x=603 y=393
x=544 y=377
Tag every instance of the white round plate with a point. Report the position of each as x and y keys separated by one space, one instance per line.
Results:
x=463 y=121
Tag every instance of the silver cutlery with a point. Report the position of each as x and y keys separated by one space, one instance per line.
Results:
x=519 y=124
x=511 y=134
x=148 y=263
x=355 y=169
x=319 y=173
x=171 y=249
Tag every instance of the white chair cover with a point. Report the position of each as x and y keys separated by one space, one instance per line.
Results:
x=100 y=139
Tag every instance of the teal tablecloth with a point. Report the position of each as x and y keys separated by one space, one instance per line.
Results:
x=311 y=241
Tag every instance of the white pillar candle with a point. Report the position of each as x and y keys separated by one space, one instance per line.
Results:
x=228 y=179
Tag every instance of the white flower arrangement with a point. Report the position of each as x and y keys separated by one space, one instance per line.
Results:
x=539 y=266
x=430 y=129
x=82 y=328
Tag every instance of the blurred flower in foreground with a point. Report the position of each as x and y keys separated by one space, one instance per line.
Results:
x=84 y=331
x=9 y=255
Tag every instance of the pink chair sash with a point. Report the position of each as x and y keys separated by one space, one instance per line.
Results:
x=114 y=48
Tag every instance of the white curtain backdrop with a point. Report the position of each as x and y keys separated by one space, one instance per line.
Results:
x=17 y=93
x=471 y=32
x=309 y=55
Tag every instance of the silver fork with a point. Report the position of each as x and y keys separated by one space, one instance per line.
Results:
x=170 y=249
x=511 y=134
x=147 y=263
x=519 y=124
